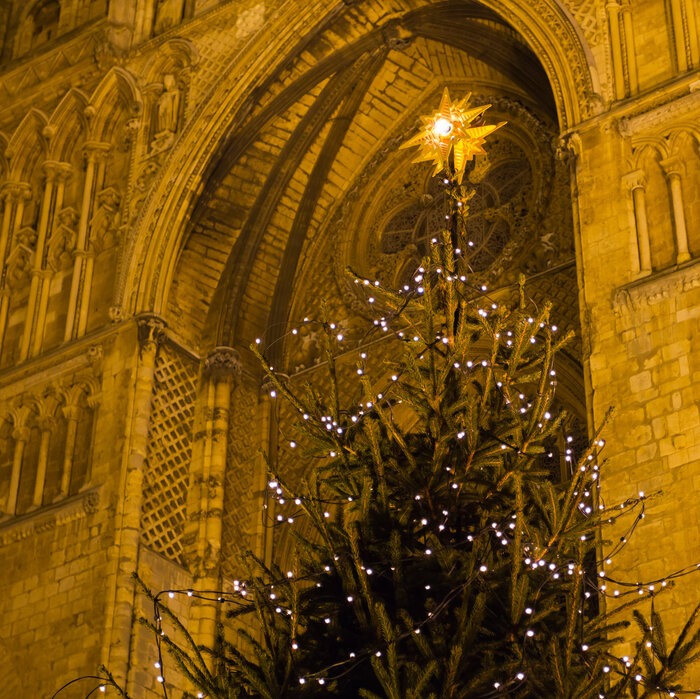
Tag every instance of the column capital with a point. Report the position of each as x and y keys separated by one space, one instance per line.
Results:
x=57 y=171
x=635 y=180
x=222 y=363
x=12 y=191
x=96 y=150
x=151 y=331
x=673 y=166
x=21 y=433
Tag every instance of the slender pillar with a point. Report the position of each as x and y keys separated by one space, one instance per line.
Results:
x=38 y=258
x=693 y=38
x=21 y=437
x=268 y=436
x=95 y=153
x=673 y=169
x=72 y=413
x=46 y=425
x=86 y=289
x=14 y=195
x=124 y=553
x=636 y=183
x=630 y=50
x=56 y=175
x=613 y=10
x=221 y=371
x=679 y=35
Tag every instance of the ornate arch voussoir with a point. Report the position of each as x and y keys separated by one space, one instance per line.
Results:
x=560 y=46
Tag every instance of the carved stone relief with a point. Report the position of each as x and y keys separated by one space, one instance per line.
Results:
x=63 y=239
x=105 y=221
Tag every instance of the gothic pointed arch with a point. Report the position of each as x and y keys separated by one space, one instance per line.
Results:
x=174 y=55
x=115 y=99
x=557 y=46
x=28 y=145
x=69 y=124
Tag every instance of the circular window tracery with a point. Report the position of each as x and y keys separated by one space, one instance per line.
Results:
x=498 y=212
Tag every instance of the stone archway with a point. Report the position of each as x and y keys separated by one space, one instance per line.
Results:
x=164 y=223
x=259 y=230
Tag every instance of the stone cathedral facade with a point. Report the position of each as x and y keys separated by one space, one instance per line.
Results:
x=180 y=177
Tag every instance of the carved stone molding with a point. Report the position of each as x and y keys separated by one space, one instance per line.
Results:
x=634 y=180
x=656 y=288
x=56 y=171
x=151 y=329
x=49 y=517
x=660 y=116
x=222 y=363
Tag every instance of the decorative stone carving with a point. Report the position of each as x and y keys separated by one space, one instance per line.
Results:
x=144 y=179
x=105 y=222
x=80 y=506
x=62 y=241
x=151 y=331
x=167 y=114
x=116 y=314
x=223 y=363
x=660 y=115
x=655 y=289
x=21 y=259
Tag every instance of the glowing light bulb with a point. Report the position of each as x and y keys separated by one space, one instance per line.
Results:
x=442 y=127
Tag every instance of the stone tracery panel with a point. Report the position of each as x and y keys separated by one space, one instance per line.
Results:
x=169 y=452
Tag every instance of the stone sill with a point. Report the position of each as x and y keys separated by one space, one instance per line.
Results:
x=15 y=528
x=658 y=286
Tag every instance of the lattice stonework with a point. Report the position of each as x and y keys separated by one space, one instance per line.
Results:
x=169 y=451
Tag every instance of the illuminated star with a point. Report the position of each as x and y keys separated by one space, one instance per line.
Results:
x=452 y=130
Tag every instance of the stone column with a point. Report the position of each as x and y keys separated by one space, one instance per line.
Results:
x=13 y=195
x=635 y=182
x=59 y=173
x=693 y=38
x=673 y=168
x=56 y=174
x=47 y=423
x=267 y=431
x=679 y=35
x=95 y=155
x=72 y=413
x=21 y=437
x=220 y=373
x=124 y=553
x=630 y=50
x=613 y=11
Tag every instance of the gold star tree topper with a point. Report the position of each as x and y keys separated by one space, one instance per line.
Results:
x=452 y=129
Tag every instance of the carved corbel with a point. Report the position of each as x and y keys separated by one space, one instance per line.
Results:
x=223 y=363
x=151 y=332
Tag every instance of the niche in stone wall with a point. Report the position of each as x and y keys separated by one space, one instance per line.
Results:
x=663 y=249
x=38 y=26
x=116 y=107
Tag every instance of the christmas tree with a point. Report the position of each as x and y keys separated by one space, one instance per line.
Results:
x=438 y=551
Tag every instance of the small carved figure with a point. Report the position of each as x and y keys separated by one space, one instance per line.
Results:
x=62 y=241
x=167 y=114
x=105 y=223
